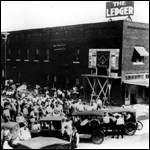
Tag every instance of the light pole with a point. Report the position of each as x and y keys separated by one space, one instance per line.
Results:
x=5 y=45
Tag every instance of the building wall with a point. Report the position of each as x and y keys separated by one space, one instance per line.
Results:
x=100 y=35
x=134 y=34
x=122 y=35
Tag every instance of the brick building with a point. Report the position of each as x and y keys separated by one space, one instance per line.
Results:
x=58 y=56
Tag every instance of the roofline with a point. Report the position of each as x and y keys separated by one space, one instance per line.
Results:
x=74 y=25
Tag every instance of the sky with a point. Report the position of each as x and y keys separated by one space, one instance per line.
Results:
x=20 y=15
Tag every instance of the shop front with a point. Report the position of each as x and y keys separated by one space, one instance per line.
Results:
x=136 y=89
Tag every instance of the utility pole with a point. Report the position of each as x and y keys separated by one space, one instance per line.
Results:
x=5 y=45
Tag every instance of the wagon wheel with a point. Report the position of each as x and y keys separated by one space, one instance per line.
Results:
x=130 y=129
x=139 y=125
x=97 y=137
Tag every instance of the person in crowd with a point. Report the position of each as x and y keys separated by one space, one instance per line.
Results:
x=20 y=119
x=120 y=125
x=79 y=106
x=93 y=105
x=84 y=122
x=7 y=135
x=25 y=112
x=48 y=110
x=74 y=139
x=6 y=112
x=36 y=110
x=59 y=93
x=113 y=124
x=36 y=126
x=24 y=132
x=99 y=103
x=105 y=101
x=127 y=117
x=106 y=121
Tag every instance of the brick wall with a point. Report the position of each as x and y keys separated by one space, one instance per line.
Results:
x=134 y=34
x=121 y=35
x=99 y=35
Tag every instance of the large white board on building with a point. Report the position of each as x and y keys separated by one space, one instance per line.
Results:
x=114 y=58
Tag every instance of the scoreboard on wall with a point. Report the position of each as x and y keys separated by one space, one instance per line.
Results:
x=104 y=58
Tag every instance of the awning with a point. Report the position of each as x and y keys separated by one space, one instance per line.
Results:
x=141 y=50
x=138 y=82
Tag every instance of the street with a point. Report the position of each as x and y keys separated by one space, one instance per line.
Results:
x=138 y=141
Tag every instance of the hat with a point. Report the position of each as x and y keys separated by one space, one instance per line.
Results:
x=66 y=127
x=74 y=128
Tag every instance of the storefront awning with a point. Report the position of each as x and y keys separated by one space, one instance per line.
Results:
x=138 y=82
x=141 y=50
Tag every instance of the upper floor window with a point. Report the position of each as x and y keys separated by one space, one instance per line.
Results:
x=18 y=55
x=139 y=55
x=76 y=57
x=47 y=77
x=36 y=54
x=77 y=51
x=8 y=54
x=27 y=54
x=138 y=60
x=77 y=81
x=47 y=54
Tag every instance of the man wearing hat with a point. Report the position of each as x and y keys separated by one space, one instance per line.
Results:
x=113 y=123
x=120 y=125
x=106 y=121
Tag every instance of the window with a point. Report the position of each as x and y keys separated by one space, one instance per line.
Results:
x=67 y=80
x=8 y=54
x=27 y=54
x=47 y=54
x=2 y=73
x=54 y=80
x=137 y=76
x=139 y=55
x=18 y=77
x=77 y=53
x=137 y=60
x=47 y=79
x=77 y=81
x=36 y=54
x=18 y=55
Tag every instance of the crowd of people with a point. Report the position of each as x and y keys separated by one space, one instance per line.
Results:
x=26 y=106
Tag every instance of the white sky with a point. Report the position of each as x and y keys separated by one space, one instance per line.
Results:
x=18 y=15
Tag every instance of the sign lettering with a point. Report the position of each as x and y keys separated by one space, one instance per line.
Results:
x=119 y=8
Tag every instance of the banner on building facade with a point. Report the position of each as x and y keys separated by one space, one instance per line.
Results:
x=104 y=57
x=114 y=59
x=119 y=8
x=92 y=58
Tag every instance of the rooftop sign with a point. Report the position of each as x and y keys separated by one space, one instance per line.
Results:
x=119 y=8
